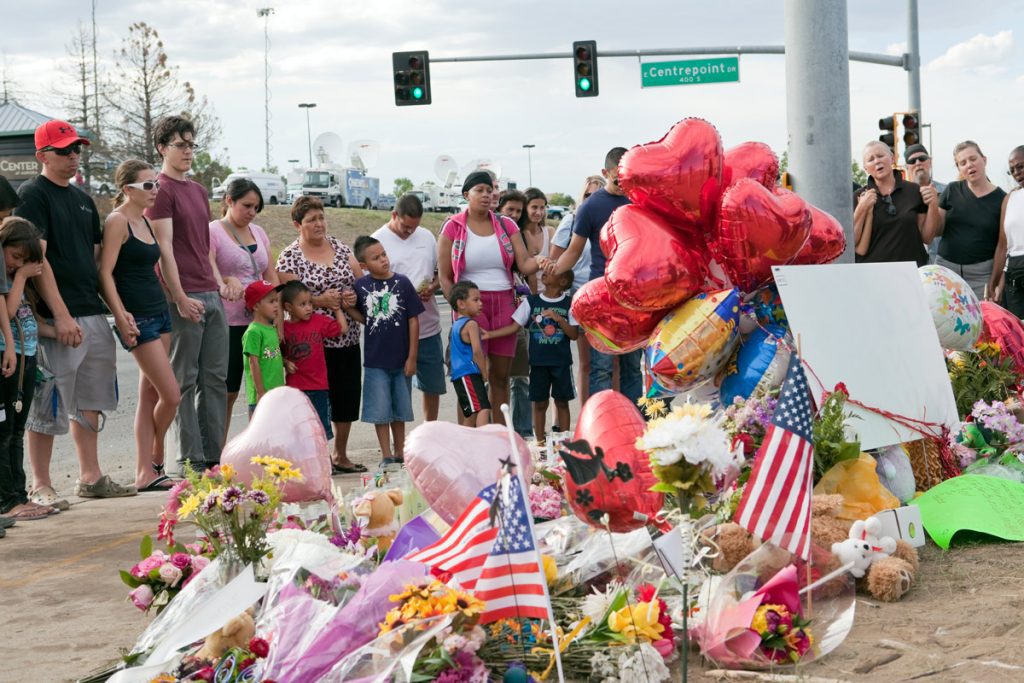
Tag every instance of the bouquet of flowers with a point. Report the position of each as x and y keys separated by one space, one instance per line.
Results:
x=691 y=454
x=985 y=374
x=236 y=665
x=829 y=433
x=992 y=435
x=159 y=576
x=747 y=420
x=450 y=656
x=643 y=619
x=785 y=637
x=233 y=516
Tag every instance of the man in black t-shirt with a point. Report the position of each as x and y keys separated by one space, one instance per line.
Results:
x=82 y=356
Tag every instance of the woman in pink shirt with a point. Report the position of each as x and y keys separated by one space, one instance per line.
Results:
x=242 y=252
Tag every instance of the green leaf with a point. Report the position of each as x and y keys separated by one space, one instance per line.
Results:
x=549 y=475
x=662 y=487
x=130 y=580
x=146 y=546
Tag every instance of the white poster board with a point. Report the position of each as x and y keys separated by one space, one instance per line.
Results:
x=868 y=325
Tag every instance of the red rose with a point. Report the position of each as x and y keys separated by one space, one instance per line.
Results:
x=259 y=647
x=841 y=389
x=246 y=663
x=204 y=674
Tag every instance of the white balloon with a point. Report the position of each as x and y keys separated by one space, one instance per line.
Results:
x=954 y=307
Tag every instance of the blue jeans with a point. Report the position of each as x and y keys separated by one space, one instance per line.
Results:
x=630 y=382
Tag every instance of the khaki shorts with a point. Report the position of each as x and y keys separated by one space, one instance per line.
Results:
x=84 y=378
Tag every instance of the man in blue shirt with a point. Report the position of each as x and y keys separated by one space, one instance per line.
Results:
x=590 y=218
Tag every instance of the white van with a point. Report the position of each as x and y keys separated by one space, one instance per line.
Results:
x=271 y=186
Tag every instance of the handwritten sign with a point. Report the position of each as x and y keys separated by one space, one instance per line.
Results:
x=973 y=503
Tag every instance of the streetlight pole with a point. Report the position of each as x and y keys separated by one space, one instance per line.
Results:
x=309 y=137
x=265 y=13
x=529 y=161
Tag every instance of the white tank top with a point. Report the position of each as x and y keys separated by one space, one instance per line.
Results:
x=484 y=265
x=1013 y=223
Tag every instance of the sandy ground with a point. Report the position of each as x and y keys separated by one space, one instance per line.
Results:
x=65 y=611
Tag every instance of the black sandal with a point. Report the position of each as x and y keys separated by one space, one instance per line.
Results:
x=157 y=484
x=354 y=469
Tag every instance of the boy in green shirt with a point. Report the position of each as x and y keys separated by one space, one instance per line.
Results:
x=261 y=347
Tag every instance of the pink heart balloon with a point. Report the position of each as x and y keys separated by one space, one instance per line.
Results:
x=754 y=160
x=286 y=426
x=827 y=241
x=450 y=464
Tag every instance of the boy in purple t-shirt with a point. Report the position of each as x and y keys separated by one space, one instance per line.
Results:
x=388 y=305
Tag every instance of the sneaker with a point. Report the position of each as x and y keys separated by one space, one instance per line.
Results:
x=104 y=487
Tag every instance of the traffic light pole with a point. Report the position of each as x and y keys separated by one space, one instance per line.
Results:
x=913 y=66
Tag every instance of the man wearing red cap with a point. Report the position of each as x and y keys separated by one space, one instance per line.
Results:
x=82 y=356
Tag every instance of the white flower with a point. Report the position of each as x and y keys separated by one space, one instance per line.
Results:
x=170 y=574
x=689 y=433
x=596 y=604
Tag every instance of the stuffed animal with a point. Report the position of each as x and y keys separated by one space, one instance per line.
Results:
x=376 y=512
x=864 y=546
x=886 y=578
x=236 y=633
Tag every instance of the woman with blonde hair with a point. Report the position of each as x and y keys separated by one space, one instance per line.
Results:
x=969 y=211
x=142 y=320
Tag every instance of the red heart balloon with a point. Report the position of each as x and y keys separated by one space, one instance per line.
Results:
x=1004 y=328
x=650 y=266
x=611 y=327
x=754 y=160
x=827 y=240
x=679 y=176
x=758 y=229
x=617 y=481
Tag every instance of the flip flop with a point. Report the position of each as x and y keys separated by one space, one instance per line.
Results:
x=32 y=513
x=354 y=469
x=158 y=484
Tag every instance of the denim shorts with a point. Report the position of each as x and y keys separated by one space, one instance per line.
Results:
x=150 y=328
x=321 y=401
x=430 y=366
x=387 y=396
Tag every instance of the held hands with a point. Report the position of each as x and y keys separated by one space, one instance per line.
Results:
x=868 y=198
x=191 y=309
x=348 y=298
x=930 y=196
x=331 y=299
x=68 y=331
x=231 y=289
x=289 y=367
x=128 y=330
x=410 y=366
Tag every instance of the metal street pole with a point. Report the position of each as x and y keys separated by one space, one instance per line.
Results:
x=529 y=161
x=309 y=137
x=818 y=108
x=914 y=61
x=265 y=13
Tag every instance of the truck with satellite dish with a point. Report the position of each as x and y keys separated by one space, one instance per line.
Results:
x=446 y=196
x=338 y=185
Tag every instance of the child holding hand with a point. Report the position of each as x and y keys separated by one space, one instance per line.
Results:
x=551 y=329
x=261 y=346
x=469 y=363
x=304 y=334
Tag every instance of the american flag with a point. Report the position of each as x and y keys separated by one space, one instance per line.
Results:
x=498 y=562
x=776 y=503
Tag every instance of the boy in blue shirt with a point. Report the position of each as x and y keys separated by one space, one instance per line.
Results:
x=388 y=305
x=468 y=363
x=551 y=329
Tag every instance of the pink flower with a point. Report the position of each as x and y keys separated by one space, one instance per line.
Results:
x=142 y=597
x=199 y=563
x=665 y=647
x=170 y=574
x=181 y=560
x=147 y=565
x=174 y=496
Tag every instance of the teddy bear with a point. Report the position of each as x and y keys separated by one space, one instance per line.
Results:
x=376 y=512
x=236 y=633
x=887 y=578
x=864 y=546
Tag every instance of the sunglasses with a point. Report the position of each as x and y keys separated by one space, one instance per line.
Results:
x=147 y=185
x=918 y=160
x=65 y=151
x=890 y=208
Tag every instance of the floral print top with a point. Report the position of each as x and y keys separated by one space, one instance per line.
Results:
x=320 y=278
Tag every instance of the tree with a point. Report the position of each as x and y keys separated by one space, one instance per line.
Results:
x=860 y=176
x=402 y=185
x=146 y=88
x=81 y=100
x=206 y=169
x=784 y=161
x=559 y=199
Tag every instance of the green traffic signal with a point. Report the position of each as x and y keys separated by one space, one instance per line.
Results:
x=584 y=84
x=417 y=93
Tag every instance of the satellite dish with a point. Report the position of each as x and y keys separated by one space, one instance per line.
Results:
x=328 y=149
x=363 y=154
x=482 y=165
x=446 y=170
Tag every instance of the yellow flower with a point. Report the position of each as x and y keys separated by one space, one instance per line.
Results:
x=637 y=621
x=550 y=568
x=190 y=505
x=227 y=472
x=277 y=468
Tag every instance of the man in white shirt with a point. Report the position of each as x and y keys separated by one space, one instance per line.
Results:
x=412 y=251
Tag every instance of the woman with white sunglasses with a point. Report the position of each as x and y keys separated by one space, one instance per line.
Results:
x=142 y=319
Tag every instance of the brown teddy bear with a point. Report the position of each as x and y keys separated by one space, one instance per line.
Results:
x=236 y=633
x=377 y=508
x=888 y=579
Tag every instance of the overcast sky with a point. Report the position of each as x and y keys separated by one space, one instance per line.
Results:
x=337 y=54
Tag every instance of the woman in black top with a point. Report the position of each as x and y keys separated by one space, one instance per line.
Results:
x=891 y=220
x=133 y=293
x=969 y=210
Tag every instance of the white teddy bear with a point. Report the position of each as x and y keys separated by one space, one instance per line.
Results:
x=864 y=546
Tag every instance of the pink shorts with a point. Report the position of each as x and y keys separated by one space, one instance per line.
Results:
x=497 y=313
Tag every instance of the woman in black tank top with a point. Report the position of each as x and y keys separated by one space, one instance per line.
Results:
x=132 y=290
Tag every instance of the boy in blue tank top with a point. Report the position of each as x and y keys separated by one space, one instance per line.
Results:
x=469 y=364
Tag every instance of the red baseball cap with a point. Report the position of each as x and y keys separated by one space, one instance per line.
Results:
x=57 y=134
x=255 y=292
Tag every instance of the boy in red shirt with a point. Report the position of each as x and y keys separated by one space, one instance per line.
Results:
x=303 y=345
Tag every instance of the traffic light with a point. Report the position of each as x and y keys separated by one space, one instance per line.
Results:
x=584 y=59
x=889 y=138
x=911 y=129
x=412 y=77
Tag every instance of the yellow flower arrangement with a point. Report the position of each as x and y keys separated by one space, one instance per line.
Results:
x=637 y=620
x=189 y=505
x=277 y=468
x=431 y=600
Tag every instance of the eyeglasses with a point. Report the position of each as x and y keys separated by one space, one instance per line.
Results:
x=183 y=145
x=918 y=160
x=65 y=151
x=890 y=208
x=1015 y=169
x=147 y=185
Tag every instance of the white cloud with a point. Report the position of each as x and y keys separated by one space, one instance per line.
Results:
x=982 y=52
x=896 y=49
